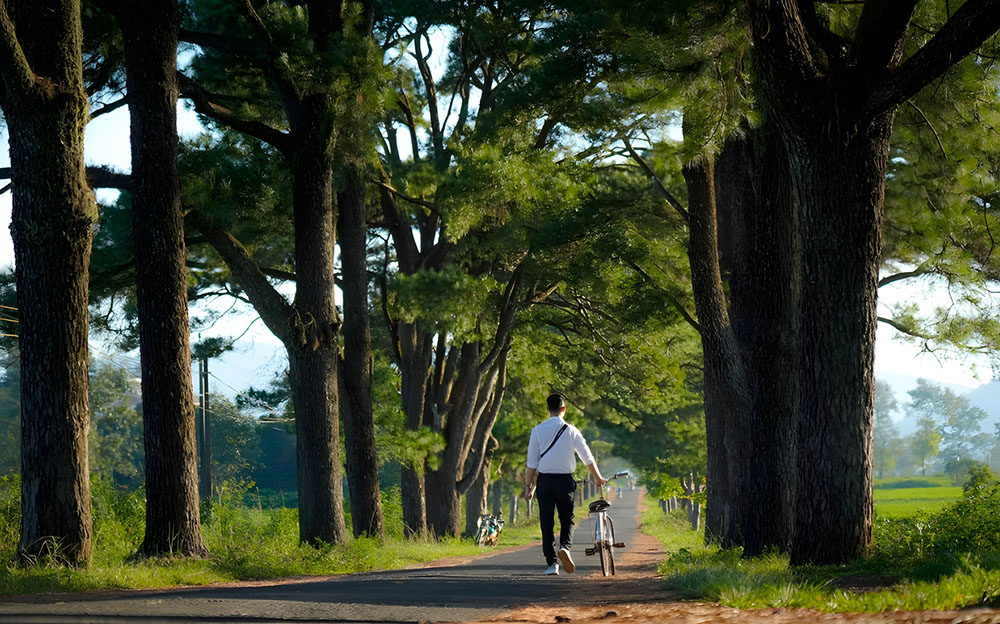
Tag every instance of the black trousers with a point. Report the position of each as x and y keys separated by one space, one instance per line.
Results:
x=555 y=492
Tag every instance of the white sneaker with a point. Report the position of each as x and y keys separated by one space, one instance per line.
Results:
x=566 y=560
x=552 y=569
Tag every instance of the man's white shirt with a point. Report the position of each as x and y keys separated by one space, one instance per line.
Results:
x=559 y=459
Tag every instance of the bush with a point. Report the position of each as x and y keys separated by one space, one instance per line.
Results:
x=10 y=518
x=980 y=475
x=968 y=526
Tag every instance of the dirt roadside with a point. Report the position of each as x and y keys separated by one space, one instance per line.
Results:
x=636 y=596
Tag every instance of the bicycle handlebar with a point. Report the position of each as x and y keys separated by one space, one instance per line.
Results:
x=617 y=475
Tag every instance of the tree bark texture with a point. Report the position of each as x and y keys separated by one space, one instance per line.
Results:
x=314 y=356
x=416 y=352
x=173 y=522
x=836 y=105
x=359 y=426
x=764 y=277
x=839 y=191
x=45 y=105
x=726 y=388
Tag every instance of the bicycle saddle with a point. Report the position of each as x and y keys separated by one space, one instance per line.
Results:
x=599 y=505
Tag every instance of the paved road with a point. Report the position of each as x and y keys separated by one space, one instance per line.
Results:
x=474 y=590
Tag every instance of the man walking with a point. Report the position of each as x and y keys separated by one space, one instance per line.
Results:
x=551 y=463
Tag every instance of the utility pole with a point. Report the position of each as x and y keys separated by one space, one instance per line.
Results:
x=205 y=430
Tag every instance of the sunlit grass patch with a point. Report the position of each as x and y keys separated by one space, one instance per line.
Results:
x=245 y=543
x=944 y=560
x=908 y=501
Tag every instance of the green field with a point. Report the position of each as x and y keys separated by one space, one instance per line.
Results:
x=893 y=498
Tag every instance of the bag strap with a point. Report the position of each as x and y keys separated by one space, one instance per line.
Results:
x=554 y=440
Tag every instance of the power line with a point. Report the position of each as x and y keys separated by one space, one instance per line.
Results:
x=254 y=400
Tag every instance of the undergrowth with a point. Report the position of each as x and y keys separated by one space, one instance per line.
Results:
x=245 y=541
x=944 y=560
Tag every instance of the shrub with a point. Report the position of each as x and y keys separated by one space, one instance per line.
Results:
x=10 y=518
x=970 y=525
x=980 y=475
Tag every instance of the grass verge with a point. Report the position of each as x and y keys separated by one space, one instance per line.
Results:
x=245 y=543
x=917 y=564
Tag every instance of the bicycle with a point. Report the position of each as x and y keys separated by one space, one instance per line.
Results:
x=604 y=532
x=488 y=531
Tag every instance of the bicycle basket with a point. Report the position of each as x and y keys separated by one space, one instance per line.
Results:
x=599 y=505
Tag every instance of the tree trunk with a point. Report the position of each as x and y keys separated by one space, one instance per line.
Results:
x=359 y=426
x=45 y=106
x=763 y=262
x=497 y=497
x=314 y=356
x=839 y=185
x=512 y=516
x=726 y=390
x=173 y=522
x=472 y=408
x=416 y=349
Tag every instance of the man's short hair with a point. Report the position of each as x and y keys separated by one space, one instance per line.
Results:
x=555 y=402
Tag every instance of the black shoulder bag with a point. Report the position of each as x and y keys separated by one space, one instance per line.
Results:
x=554 y=440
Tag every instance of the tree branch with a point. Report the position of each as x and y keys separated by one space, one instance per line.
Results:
x=105 y=177
x=271 y=305
x=889 y=279
x=970 y=25
x=281 y=274
x=110 y=107
x=208 y=104
x=405 y=197
x=670 y=298
x=18 y=77
x=97 y=177
x=881 y=31
x=656 y=179
x=903 y=329
x=929 y=125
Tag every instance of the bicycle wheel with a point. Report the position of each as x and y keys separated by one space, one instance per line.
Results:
x=607 y=559
x=610 y=545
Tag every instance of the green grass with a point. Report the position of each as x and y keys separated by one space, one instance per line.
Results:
x=245 y=543
x=944 y=560
x=898 y=502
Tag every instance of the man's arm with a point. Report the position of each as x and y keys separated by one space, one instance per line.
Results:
x=529 y=482
x=598 y=479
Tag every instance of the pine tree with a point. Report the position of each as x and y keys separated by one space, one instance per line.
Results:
x=173 y=521
x=45 y=104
